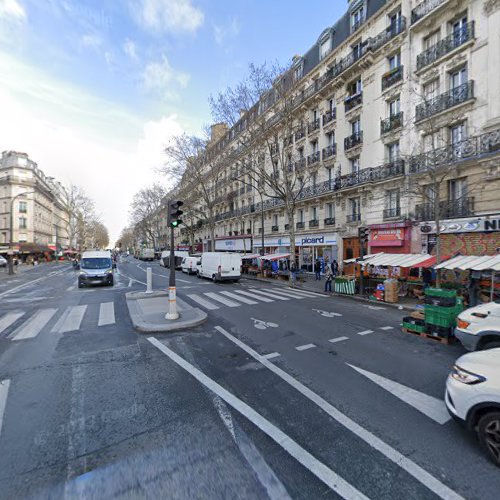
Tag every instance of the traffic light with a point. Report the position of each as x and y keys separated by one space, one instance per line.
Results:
x=174 y=213
x=363 y=234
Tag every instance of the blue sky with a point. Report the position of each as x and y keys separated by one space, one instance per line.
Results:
x=91 y=90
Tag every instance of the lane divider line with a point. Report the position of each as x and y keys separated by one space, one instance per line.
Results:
x=365 y=332
x=304 y=347
x=4 y=391
x=338 y=339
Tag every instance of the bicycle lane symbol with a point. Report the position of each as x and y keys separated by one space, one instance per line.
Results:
x=263 y=325
x=326 y=313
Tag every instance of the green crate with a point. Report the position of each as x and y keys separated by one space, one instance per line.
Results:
x=415 y=328
x=439 y=318
x=440 y=292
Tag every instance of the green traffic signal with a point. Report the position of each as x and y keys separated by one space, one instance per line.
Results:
x=175 y=213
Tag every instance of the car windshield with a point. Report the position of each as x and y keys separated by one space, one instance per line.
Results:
x=96 y=263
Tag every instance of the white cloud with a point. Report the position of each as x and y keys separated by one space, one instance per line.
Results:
x=169 y=15
x=93 y=41
x=224 y=33
x=160 y=78
x=12 y=9
x=130 y=49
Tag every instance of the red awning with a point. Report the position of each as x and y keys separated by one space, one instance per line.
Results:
x=52 y=247
x=431 y=261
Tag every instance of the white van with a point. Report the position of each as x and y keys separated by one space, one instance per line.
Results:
x=220 y=266
x=147 y=254
x=188 y=264
x=96 y=268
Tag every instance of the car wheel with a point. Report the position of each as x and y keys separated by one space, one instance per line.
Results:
x=198 y=274
x=488 y=431
x=80 y=285
x=491 y=345
x=214 y=278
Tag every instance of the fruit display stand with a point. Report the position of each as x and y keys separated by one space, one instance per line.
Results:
x=345 y=285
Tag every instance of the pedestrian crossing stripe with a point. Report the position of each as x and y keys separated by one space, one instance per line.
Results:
x=269 y=294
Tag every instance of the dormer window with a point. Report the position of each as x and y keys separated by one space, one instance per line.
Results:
x=297 y=72
x=325 y=47
x=357 y=18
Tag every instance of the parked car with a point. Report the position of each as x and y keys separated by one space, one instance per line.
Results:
x=479 y=327
x=220 y=266
x=3 y=261
x=473 y=397
x=179 y=255
x=188 y=264
x=96 y=268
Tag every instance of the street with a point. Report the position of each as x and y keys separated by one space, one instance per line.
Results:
x=280 y=394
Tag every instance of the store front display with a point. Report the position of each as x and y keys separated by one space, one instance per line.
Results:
x=391 y=238
x=234 y=244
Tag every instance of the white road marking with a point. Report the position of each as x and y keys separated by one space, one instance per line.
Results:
x=71 y=319
x=70 y=288
x=9 y=319
x=182 y=281
x=238 y=297
x=130 y=282
x=298 y=291
x=106 y=314
x=387 y=328
x=222 y=300
x=253 y=295
x=4 y=391
x=269 y=294
x=304 y=347
x=365 y=332
x=285 y=293
x=202 y=302
x=327 y=314
x=23 y=285
x=34 y=325
x=338 y=339
x=319 y=469
x=420 y=474
x=375 y=308
x=431 y=407
x=271 y=355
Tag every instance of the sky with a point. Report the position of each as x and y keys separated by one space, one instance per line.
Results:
x=92 y=90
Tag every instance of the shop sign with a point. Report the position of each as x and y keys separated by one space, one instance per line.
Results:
x=232 y=245
x=310 y=240
x=387 y=234
x=478 y=224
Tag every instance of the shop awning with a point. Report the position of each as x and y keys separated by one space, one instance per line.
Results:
x=33 y=248
x=472 y=262
x=398 y=259
x=276 y=256
x=250 y=256
x=366 y=258
x=430 y=262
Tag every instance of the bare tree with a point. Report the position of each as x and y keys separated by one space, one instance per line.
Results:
x=127 y=239
x=80 y=209
x=98 y=234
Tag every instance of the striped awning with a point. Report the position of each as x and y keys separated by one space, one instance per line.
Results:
x=398 y=259
x=472 y=262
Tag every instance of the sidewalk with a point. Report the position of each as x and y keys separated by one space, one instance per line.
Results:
x=318 y=286
x=25 y=268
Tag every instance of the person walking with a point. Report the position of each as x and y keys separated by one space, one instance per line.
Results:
x=317 y=269
x=328 y=279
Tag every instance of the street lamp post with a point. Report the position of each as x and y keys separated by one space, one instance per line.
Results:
x=11 y=239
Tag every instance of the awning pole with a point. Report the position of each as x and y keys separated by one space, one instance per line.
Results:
x=492 y=285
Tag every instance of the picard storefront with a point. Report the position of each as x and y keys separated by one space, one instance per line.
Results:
x=308 y=248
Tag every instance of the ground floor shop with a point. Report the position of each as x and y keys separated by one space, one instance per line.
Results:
x=390 y=238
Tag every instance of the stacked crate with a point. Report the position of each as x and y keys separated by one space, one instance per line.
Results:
x=441 y=310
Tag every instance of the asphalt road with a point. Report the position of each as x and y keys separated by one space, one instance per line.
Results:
x=280 y=394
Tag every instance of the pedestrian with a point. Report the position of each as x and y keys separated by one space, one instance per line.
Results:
x=427 y=277
x=335 y=268
x=317 y=269
x=328 y=279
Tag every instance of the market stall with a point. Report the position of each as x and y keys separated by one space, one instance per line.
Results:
x=250 y=263
x=275 y=265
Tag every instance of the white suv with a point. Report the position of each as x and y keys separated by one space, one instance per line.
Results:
x=479 y=327
x=473 y=397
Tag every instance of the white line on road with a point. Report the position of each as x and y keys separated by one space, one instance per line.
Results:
x=319 y=469
x=241 y=299
x=338 y=339
x=70 y=288
x=106 y=314
x=268 y=294
x=365 y=332
x=23 y=285
x=296 y=291
x=388 y=451
x=271 y=355
x=222 y=300
x=130 y=282
x=70 y=320
x=431 y=407
x=202 y=302
x=34 y=325
x=9 y=319
x=285 y=293
x=254 y=296
x=4 y=391
x=304 y=347
x=387 y=328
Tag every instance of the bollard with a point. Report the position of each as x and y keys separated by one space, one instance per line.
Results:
x=149 y=280
x=172 y=304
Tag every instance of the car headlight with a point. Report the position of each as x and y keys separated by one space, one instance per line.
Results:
x=83 y=273
x=462 y=324
x=465 y=376
x=109 y=271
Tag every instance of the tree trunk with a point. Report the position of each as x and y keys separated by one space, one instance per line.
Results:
x=291 y=231
x=437 y=221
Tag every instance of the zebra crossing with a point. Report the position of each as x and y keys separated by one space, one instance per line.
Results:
x=22 y=325
x=250 y=296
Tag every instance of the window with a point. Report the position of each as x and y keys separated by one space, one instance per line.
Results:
x=301 y=152
x=393 y=152
x=314 y=179
x=301 y=215
x=23 y=223
x=458 y=133
x=433 y=141
x=275 y=220
x=394 y=107
x=458 y=28
x=356 y=126
x=314 y=213
x=431 y=89
x=392 y=200
x=458 y=78
x=395 y=20
x=315 y=115
x=354 y=208
x=330 y=210
x=432 y=39
x=330 y=177
x=355 y=87
x=324 y=48
x=23 y=207
x=356 y=19
x=355 y=166
x=357 y=50
x=297 y=72
x=395 y=61
x=457 y=189
x=430 y=193
x=314 y=146
x=331 y=104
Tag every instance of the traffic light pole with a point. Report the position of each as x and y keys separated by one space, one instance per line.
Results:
x=172 y=300
x=361 y=277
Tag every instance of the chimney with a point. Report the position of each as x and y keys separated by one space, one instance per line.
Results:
x=217 y=131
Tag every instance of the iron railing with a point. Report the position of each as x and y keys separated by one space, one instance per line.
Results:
x=353 y=218
x=453 y=97
x=300 y=225
x=390 y=213
x=329 y=151
x=300 y=133
x=473 y=147
x=422 y=9
x=394 y=29
x=352 y=101
x=353 y=140
x=287 y=227
x=329 y=116
x=463 y=207
x=313 y=158
x=393 y=122
x=312 y=126
x=314 y=223
x=275 y=229
x=391 y=77
x=451 y=42
x=329 y=221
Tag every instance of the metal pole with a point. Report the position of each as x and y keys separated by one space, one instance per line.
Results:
x=262 y=252
x=149 y=280
x=11 y=239
x=172 y=303
x=361 y=280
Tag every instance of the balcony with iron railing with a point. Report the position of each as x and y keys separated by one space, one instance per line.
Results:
x=392 y=213
x=392 y=77
x=352 y=101
x=463 y=207
x=313 y=126
x=391 y=123
x=300 y=133
x=300 y=225
x=329 y=116
x=353 y=218
x=454 y=97
x=446 y=45
x=478 y=146
x=329 y=221
x=393 y=30
x=353 y=140
x=287 y=227
x=313 y=158
x=314 y=223
x=275 y=229
x=422 y=9
x=329 y=152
